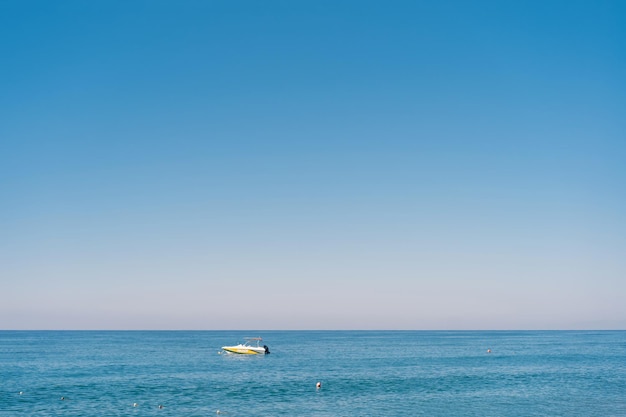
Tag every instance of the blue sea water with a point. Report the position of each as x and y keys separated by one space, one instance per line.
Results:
x=363 y=373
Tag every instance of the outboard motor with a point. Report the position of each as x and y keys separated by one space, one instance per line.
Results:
x=267 y=350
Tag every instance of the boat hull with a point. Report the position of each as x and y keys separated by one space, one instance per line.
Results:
x=244 y=350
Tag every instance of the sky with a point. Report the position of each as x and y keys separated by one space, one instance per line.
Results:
x=312 y=164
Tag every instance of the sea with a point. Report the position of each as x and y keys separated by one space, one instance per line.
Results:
x=362 y=373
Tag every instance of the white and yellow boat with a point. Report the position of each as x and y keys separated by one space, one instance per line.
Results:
x=247 y=348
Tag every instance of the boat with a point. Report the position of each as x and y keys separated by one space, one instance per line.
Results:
x=248 y=347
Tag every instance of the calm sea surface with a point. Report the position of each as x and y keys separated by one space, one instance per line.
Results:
x=371 y=373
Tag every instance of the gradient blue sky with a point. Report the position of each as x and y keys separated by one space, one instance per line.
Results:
x=312 y=165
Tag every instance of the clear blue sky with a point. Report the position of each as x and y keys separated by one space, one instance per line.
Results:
x=312 y=164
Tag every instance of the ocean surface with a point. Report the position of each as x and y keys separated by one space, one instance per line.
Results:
x=363 y=373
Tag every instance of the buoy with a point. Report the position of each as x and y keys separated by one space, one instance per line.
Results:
x=62 y=398
x=318 y=385
x=218 y=412
x=135 y=404
x=21 y=393
x=160 y=406
x=488 y=350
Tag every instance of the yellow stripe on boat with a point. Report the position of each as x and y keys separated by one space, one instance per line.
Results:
x=242 y=351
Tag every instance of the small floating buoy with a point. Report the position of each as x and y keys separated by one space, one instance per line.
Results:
x=135 y=404
x=62 y=398
x=218 y=412
x=488 y=350
x=318 y=385
x=21 y=393
x=160 y=407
